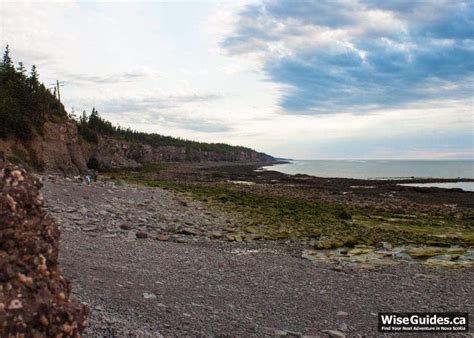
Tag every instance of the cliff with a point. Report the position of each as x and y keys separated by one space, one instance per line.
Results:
x=58 y=149
x=35 y=130
x=112 y=153
x=61 y=149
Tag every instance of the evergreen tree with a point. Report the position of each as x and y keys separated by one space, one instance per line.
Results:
x=25 y=103
x=33 y=79
x=21 y=68
x=7 y=60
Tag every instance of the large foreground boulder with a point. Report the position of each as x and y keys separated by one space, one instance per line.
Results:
x=34 y=297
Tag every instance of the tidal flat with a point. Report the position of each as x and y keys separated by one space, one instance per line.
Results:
x=321 y=213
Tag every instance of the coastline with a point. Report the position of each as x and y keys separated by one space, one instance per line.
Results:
x=397 y=179
x=326 y=209
x=149 y=259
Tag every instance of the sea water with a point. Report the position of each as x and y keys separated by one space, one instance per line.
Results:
x=385 y=169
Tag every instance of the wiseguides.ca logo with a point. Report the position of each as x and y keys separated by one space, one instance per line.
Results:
x=423 y=322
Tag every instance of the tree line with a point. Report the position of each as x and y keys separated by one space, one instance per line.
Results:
x=92 y=126
x=25 y=103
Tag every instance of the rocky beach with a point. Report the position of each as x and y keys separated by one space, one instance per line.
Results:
x=151 y=260
x=264 y=168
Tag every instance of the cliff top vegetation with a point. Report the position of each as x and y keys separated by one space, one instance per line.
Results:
x=26 y=104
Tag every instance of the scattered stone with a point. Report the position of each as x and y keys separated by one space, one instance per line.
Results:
x=163 y=238
x=83 y=211
x=402 y=255
x=279 y=333
x=360 y=250
x=230 y=237
x=215 y=234
x=126 y=227
x=189 y=231
x=141 y=235
x=147 y=295
x=335 y=333
x=386 y=246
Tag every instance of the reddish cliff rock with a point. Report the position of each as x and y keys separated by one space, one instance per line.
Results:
x=112 y=153
x=57 y=149
x=34 y=296
x=60 y=149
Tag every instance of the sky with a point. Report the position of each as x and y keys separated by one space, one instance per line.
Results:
x=355 y=79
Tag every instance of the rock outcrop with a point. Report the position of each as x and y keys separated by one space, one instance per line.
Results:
x=34 y=296
x=111 y=153
x=56 y=149
x=60 y=149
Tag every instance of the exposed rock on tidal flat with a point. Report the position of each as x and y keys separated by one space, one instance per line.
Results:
x=34 y=296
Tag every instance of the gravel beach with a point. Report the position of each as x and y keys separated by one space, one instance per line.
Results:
x=143 y=261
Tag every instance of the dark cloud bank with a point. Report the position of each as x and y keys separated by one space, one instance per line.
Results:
x=430 y=56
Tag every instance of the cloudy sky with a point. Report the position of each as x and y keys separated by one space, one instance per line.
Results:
x=355 y=79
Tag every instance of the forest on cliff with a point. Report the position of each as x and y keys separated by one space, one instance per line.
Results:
x=26 y=104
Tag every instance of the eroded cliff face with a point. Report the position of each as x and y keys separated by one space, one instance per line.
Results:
x=110 y=153
x=60 y=149
x=57 y=150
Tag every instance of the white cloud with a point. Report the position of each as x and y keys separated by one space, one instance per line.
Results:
x=158 y=67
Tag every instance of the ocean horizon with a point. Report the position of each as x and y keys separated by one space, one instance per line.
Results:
x=383 y=169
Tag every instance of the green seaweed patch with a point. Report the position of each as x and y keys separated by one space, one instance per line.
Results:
x=324 y=224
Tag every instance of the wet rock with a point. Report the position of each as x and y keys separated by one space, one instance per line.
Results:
x=468 y=256
x=424 y=252
x=35 y=298
x=442 y=257
x=402 y=255
x=360 y=250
